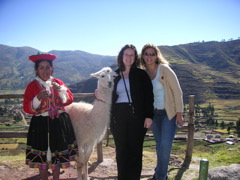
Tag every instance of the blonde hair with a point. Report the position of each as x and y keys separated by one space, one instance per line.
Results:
x=159 y=60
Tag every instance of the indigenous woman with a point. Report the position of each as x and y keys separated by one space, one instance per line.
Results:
x=51 y=140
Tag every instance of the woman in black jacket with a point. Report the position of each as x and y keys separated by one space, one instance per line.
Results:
x=132 y=113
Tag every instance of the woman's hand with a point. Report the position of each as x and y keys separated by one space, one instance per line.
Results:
x=179 y=119
x=148 y=123
x=96 y=93
x=43 y=94
x=56 y=86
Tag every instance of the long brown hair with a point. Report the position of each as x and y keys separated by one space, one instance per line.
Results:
x=120 y=57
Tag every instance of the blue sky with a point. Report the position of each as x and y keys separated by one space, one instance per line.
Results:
x=104 y=26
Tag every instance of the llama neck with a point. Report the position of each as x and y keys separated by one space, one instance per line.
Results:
x=105 y=95
x=101 y=108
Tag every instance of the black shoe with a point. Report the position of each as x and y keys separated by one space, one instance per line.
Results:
x=152 y=178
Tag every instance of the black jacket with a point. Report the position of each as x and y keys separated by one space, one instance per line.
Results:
x=141 y=92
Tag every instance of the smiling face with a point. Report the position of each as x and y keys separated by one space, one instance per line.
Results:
x=128 y=57
x=149 y=56
x=44 y=70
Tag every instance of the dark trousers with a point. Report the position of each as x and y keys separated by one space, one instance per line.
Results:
x=128 y=133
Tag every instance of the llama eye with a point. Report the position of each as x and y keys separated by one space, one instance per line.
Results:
x=103 y=76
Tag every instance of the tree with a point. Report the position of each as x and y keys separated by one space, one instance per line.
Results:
x=208 y=113
x=222 y=125
x=197 y=110
x=238 y=127
x=210 y=109
x=228 y=129
x=3 y=110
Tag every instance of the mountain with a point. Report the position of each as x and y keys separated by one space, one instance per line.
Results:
x=206 y=70
x=16 y=71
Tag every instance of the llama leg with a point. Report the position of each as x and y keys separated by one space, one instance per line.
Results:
x=88 y=152
x=79 y=160
x=85 y=171
x=79 y=168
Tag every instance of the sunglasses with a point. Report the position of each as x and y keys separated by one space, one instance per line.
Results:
x=149 y=54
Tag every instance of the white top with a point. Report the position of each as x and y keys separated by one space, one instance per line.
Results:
x=121 y=91
x=158 y=92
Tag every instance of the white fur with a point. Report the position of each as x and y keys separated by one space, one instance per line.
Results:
x=89 y=121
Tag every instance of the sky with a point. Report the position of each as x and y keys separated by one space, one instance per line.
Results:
x=103 y=27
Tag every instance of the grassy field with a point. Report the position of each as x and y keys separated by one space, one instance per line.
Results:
x=229 y=109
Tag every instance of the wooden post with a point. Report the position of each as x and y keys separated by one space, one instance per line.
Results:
x=190 y=138
x=100 y=152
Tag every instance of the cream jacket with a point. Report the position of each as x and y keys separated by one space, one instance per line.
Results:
x=173 y=93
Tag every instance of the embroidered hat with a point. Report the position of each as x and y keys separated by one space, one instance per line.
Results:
x=45 y=56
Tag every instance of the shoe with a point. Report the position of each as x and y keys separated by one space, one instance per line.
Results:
x=152 y=178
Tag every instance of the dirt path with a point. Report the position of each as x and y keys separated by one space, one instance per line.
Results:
x=104 y=170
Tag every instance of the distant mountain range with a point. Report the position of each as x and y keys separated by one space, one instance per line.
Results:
x=206 y=70
x=16 y=71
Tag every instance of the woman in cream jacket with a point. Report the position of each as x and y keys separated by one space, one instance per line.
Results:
x=168 y=105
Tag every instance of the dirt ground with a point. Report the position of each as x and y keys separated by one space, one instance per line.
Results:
x=107 y=170
x=12 y=172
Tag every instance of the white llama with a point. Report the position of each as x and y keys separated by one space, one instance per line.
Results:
x=89 y=121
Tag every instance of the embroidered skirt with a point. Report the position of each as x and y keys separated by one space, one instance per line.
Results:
x=58 y=135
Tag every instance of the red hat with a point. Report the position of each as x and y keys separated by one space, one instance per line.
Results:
x=39 y=56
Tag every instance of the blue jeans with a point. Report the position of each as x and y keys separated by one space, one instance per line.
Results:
x=164 y=131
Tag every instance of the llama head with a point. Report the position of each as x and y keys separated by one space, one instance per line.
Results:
x=105 y=77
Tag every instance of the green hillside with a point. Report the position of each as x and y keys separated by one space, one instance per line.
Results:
x=207 y=70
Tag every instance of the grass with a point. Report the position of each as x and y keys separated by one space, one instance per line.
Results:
x=230 y=108
x=222 y=154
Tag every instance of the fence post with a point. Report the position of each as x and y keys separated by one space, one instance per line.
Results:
x=100 y=152
x=190 y=137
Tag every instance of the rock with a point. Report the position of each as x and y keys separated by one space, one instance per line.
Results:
x=231 y=172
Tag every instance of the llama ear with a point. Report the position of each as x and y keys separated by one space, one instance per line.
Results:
x=95 y=74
